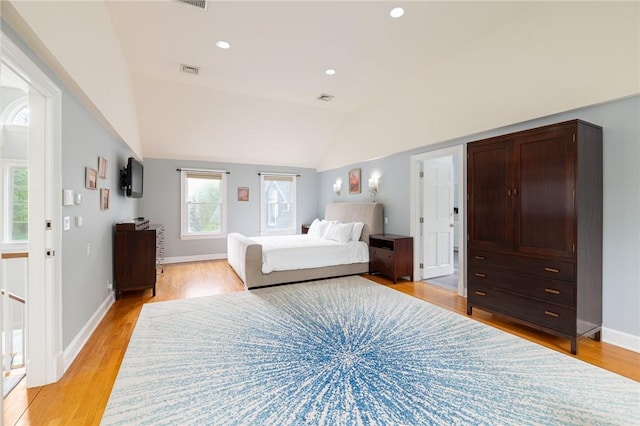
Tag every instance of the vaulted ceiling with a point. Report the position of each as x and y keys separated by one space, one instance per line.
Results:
x=443 y=70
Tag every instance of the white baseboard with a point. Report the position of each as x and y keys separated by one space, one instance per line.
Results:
x=195 y=258
x=619 y=338
x=76 y=345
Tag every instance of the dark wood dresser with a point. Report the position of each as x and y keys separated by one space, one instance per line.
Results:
x=139 y=250
x=391 y=255
x=534 y=222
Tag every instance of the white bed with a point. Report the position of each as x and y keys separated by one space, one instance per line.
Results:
x=262 y=261
x=286 y=252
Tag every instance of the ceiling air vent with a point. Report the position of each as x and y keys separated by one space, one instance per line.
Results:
x=202 y=4
x=325 y=97
x=189 y=69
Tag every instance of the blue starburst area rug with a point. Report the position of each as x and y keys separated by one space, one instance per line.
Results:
x=349 y=352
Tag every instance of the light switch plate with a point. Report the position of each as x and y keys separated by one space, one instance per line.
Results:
x=78 y=198
x=78 y=221
x=67 y=197
x=67 y=223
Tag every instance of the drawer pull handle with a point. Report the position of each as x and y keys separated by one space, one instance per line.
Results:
x=554 y=270
x=478 y=274
x=481 y=257
x=551 y=290
x=551 y=314
x=481 y=293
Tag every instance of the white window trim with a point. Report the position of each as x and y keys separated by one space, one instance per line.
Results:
x=15 y=128
x=263 y=207
x=7 y=166
x=184 y=235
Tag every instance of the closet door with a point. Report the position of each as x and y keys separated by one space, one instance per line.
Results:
x=544 y=193
x=490 y=206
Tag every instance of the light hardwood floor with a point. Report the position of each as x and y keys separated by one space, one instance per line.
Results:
x=80 y=397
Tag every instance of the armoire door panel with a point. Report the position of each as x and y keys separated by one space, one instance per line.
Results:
x=544 y=202
x=490 y=205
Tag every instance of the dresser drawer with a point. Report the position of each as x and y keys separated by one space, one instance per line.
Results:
x=553 y=291
x=560 y=318
x=381 y=267
x=545 y=268
x=380 y=254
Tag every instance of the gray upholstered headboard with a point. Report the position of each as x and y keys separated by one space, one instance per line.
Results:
x=368 y=213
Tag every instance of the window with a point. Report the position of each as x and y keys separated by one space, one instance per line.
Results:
x=203 y=211
x=22 y=117
x=16 y=214
x=16 y=113
x=278 y=204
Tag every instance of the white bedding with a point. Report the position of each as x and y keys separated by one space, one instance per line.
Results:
x=287 y=252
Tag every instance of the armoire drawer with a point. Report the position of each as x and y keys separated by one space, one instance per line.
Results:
x=545 y=268
x=553 y=291
x=560 y=318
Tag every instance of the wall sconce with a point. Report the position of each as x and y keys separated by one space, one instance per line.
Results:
x=337 y=187
x=373 y=188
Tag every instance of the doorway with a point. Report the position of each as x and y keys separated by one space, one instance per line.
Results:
x=437 y=217
x=14 y=117
x=37 y=108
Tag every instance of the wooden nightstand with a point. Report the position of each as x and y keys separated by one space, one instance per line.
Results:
x=391 y=255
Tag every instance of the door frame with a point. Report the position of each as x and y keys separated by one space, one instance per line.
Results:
x=415 y=203
x=44 y=292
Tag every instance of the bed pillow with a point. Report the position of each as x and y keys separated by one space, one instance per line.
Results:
x=340 y=232
x=356 y=232
x=316 y=229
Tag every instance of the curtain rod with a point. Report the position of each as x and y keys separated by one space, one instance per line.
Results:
x=202 y=170
x=278 y=174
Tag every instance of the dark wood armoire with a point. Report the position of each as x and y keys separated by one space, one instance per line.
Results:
x=534 y=222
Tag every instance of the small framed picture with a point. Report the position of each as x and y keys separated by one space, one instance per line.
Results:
x=90 y=178
x=354 y=181
x=243 y=193
x=104 y=198
x=102 y=167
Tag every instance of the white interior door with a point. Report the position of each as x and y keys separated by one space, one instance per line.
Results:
x=438 y=226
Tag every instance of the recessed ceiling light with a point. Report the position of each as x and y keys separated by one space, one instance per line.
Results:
x=223 y=44
x=330 y=71
x=396 y=12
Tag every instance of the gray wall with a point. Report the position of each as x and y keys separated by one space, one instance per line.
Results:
x=393 y=189
x=161 y=202
x=621 y=247
x=84 y=277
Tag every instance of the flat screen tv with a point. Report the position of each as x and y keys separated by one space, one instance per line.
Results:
x=131 y=178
